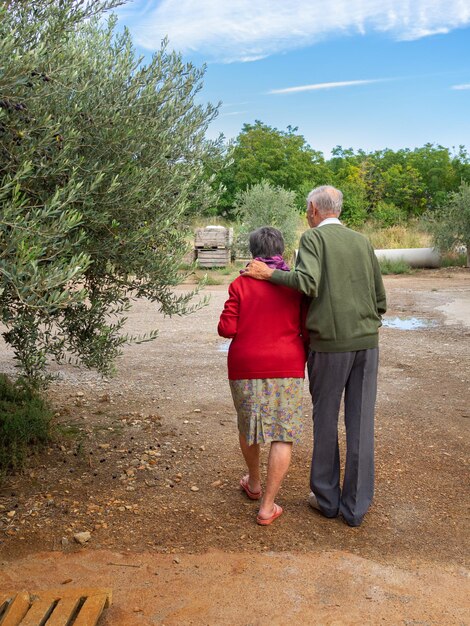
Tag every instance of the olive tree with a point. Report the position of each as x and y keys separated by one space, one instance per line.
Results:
x=266 y=205
x=450 y=225
x=101 y=170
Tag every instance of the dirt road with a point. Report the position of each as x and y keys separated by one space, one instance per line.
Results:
x=147 y=462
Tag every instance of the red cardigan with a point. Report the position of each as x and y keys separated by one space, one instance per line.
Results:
x=266 y=322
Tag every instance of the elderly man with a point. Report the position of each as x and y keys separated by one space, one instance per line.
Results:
x=338 y=269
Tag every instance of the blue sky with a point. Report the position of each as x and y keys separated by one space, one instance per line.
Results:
x=368 y=74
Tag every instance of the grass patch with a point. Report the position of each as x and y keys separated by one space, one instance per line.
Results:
x=24 y=423
x=454 y=260
x=397 y=266
x=212 y=279
x=218 y=275
x=396 y=237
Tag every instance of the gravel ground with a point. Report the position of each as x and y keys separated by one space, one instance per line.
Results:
x=147 y=463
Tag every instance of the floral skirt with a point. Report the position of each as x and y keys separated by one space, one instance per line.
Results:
x=268 y=409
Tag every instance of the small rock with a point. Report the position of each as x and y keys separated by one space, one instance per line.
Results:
x=202 y=448
x=176 y=560
x=11 y=514
x=82 y=538
x=66 y=581
x=197 y=411
x=216 y=483
x=105 y=398
x=64 y=542
x=79 y=394
x=194 y=488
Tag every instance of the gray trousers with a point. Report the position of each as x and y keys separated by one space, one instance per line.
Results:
x=355 y=373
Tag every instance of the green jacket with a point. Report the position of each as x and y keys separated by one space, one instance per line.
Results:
x=337 y=267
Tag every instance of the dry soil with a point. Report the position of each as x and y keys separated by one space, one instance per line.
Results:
x=147 y=462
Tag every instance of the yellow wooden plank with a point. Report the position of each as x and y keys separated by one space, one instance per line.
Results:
x=37 y=612
x=17 y=610
x=72 y=592
x=63 y=611
x=91 y=610
x=30 y=610
x=5 y=597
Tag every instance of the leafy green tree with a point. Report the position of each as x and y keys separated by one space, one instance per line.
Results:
x=413 y=180
x=450 y=225
x=438 y=172
x=267 y=205
x=101 y=169
x=282 y=158
x=404 y=188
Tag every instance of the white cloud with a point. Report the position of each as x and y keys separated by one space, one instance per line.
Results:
x=233 y=113
x=318 y=86
x=247 y=30
x=461 y=87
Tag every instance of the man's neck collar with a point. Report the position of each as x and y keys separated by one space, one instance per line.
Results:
x=329 y=220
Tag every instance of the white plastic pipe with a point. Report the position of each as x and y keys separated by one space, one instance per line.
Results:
x=415 y=257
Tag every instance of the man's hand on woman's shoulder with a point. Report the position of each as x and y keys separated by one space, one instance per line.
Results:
x=258 y=270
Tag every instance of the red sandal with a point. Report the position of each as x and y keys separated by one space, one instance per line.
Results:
x=245 y=486
x=269 y=520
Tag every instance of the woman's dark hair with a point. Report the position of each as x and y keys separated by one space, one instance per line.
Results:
x=266 y=242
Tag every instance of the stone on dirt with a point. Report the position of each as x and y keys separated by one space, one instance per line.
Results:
x=83 y=537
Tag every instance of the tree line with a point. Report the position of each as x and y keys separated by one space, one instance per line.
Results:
x=386 y=186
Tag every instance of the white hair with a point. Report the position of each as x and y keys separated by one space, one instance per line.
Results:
x=327 y=200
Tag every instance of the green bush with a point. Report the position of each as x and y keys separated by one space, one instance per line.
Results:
x=450 y=225
x=354 y=212
x=24 y=422
x=266 y=205
x=388 y=214
x=394 y=267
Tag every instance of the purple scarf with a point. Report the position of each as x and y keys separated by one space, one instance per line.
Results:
x=273 y=262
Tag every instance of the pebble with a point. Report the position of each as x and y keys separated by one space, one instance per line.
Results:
x=151 y=483
x=216 y=483
x=194 y=488
x=197 y=410
x=83 y=537
x=11 y=514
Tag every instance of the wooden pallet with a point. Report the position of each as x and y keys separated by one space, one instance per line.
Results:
x=54 y=607
x=213 y=258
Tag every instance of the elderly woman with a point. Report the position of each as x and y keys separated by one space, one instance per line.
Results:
x=266 y=369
